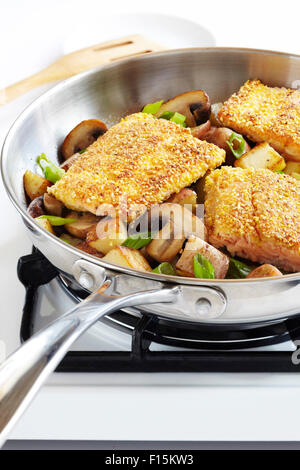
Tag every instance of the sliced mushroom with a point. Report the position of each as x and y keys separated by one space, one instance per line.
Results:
x=124 y=256
x=194 y=105
x=185 y=265
x=83 y=135
x=83 y=224
x=265 y=270
x=52 y=205
x=68 y=163
x=88 y=249
x=201 y=131
x=214 y=120
x=36 y=207
x=107 y=234
x=178 y=224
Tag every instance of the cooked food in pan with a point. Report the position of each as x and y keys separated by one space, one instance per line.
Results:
x=133 y=194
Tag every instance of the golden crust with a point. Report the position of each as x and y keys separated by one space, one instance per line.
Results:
x=266 y=114
x=142 y=160
x=255 y=213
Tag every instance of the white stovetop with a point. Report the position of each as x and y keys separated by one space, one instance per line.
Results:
x=208 y=407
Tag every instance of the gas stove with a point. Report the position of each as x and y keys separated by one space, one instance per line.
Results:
x=129 y=341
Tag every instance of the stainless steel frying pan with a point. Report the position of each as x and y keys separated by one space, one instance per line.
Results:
x=109 y=93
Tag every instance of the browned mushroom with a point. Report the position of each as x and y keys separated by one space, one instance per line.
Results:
x=83 y=135
x=185 y=197
x=52 y=205
x=194 y=105
x=83 y=224
x=36 y=208
x=201 y=131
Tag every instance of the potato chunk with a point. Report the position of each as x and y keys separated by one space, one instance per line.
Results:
x=45 y=224
x=292 y=167
x=107 y=234
x=185 y=266
x=35 y=185
x=83 y=224
x=261 y=156
x=128 y=257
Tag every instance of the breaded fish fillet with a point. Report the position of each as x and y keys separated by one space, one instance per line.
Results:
x=255 y=214
x=266 y=114
x=142 y=160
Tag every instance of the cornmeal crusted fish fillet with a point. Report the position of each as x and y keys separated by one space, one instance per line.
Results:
x=255 y=214
x=266 y=114
x=142 y=158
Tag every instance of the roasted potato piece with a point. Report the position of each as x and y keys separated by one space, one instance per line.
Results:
x=167 y=244
x=36 y=207
x=107 y=234
x=296 y=176
x=292 y=167
x=35 y=185
x=52 y=205
x=88 y=249
x=83 y=135
x=83 y=225
x=261 y=156
x=185 y=266
x=45 y=224
x=265 y=270
x=128 y=257
x=184 y=197
x=194 y=105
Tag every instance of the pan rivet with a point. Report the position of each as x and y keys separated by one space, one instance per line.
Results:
x=86 y=280
x=203 y=306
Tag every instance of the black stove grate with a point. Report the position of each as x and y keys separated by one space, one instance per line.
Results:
x=215 y=355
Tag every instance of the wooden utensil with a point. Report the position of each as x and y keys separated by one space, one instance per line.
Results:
x=79 y=61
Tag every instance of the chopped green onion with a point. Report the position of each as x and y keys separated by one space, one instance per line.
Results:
x=51 y=171
x=202 y=267
x=280 y=172
x=138 y=240
x=54 y=220
x=238 y=269
x=165 y=268
x=174 y=117
x=237 y=152
x=152 y=108
x=82 y=151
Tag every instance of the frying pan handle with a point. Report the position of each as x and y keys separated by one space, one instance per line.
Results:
x=23 y=373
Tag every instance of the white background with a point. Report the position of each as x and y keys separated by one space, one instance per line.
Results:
x=33 y=34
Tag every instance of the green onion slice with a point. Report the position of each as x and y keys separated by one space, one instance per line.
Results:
x=280 y=172
x=51 y=171
x=56 y=221
x=165 y=268
x=174 y=117
x=138 y=240
x=152 y=108
x=238 y=270
x=202 y=267
x=239 y=150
